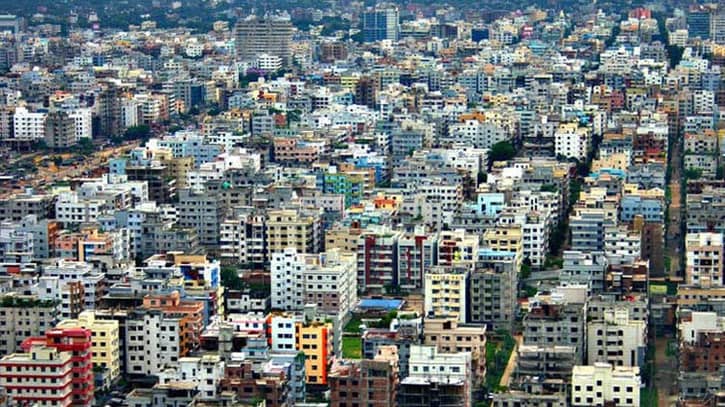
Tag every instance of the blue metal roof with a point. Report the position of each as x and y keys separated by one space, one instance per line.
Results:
x=390 y=304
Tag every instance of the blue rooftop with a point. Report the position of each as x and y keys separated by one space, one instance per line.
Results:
x=379 y=303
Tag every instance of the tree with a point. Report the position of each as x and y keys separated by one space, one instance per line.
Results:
x=525 y=269
x=501 y=151
x=137 y=132
x=230 y=279
x=85 y=146
x=693 y=173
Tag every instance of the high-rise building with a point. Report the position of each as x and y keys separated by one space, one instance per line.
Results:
x=18 y=376
x=77 y=343
x=105 y=345
x=381 y=23
x=270 y=35
x=59 y=130
x=698 y=22
x=704 y=255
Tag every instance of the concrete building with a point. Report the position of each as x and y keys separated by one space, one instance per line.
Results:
x=416 y=255
x=105 y=344
x=584 y=268
x=24 y=317
x=572 y=141
x=381 y=23
x=558 y=319
x=445 y=292
x=294 y=228
x=492 y=291
x=271 y=35
x=617 y=339
x=376 y=254
x=315 y=341
x=18 y=374
x=451 y=337
x=60 y=132
x=367 y=382
x=77 y=342
x=704 y=259
x=429 y=370
x=204 y=212
x=601 y=384
x=28 y=126
x=328 y=280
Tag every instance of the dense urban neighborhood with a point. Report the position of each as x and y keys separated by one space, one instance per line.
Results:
x=362 y=204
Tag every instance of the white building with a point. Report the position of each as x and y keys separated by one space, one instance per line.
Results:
x=129 y=113
x=477 y=134
x=28 y=126
x=699 y=322
x=704 y=257
x=287 y=280
x=572 y=141
x=602 y=384
x=282 y=327
x=427 y=363
x=328 y=280
x=83 y=118
x=205 y=372
x=267 y=62
x=617 y=339
x=152 y=342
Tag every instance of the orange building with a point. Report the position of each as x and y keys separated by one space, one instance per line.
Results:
x=190 y=313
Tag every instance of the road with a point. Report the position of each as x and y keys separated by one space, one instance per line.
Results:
x=511 y=365
x=665 y=374
x=45 y=177
x=673 y=241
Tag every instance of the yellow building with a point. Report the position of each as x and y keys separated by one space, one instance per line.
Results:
x=344 y=238
x=315 y=341
x=445 y=292
x=292 y=228
x=506 y=238
x=619 y=161
x=106 y=343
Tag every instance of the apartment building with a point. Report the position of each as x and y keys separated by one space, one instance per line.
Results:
x=572 y=141
x=432 y=373
x=153 y=342
x=24 y=317
x=315 y=341
x=416 y=255
x=456 y=247
x=243 y=238
x=616 y=339
x=601 y=384
x=294 y=228
x=366 y=382
x=445 y=292
x=376 y=253
x=19 y=376
x=449 y=336
x=558 y=319
x=105 y=343
x=28 y=126
x=580 y=267
x=330 y=282
x=287 y=279
x=704 y=259
x=77 y=342
x=492 y=290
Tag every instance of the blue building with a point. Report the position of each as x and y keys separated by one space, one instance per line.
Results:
x=381 y=24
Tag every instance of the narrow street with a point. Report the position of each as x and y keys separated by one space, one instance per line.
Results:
x=673 y=238
x=506 y=377
x=665 y=374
